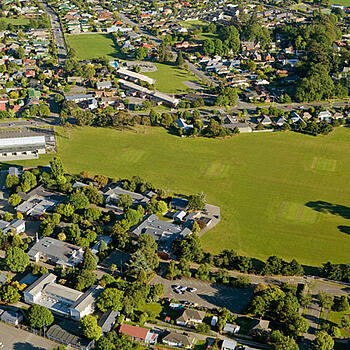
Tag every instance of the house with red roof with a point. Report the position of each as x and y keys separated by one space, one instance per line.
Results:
x=3 y=104
x=140 y=334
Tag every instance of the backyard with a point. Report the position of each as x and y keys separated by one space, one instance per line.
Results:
x=280 y=193
x=88 y=46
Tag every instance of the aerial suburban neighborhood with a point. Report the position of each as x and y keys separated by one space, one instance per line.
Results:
x=174 y=174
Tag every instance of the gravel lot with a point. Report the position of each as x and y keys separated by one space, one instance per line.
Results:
x=17 y=339
x=208 y=294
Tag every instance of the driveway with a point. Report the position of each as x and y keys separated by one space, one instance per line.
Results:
x=17 y=339
x=208 y=294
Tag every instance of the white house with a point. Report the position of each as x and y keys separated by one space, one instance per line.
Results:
x=231 y=328
x=228 y=345
x=325 y=116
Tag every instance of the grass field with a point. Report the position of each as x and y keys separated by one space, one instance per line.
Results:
x=336 y=317
x=341 y=2
x=275 y=198
x=171 y=78
x=88 y=46
x=15 y=21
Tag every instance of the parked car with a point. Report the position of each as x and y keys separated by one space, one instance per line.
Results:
x=192 y=290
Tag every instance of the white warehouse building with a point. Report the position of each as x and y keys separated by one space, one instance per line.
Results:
x=26 y=144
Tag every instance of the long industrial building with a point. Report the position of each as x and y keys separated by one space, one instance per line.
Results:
x=25 y=143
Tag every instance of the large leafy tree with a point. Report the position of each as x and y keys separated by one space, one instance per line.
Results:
x=9 y=294
x=16 y=260
x=323 y=341
x=110 y=299
x=89 y=262
x=39 y=316
x=90 y=328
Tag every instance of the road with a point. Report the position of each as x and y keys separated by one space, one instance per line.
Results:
x=18 y=339
x=57 y=32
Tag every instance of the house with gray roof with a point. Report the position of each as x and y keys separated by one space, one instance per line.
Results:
x=190 y=317
x=108 y=320
x=164 y=232
x=56 y=252
x=180 y=340
x=113 y=192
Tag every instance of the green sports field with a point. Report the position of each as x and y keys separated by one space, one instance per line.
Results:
x=170 y=78
x=88 y=46
x=280 y=193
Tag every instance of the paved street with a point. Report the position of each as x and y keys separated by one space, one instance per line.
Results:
x=208 y=294
x=18 y=339
x=57 y=32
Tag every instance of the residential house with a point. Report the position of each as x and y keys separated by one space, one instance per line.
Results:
x=113 y=192
x=179 y=340
x=181 y=123
x=140 y=334
x=190 y=317
x=265 y=120
x=325 y=116
x=179 y=203
x=228 y=344
x=103 y=85
x=38 y=201
x=56 y=252
x=231 y=328
x=260 y=325
x=133 y=76
x=12 y=317
x=17 y=225
x=108 y=320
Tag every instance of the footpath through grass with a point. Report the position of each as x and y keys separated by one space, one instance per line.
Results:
x=280 y=193
x=89 y=46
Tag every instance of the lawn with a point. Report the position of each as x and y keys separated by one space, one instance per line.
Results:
x=170 y=78
x=341 y=2
x=88 y=46
x=15 y=21
x=336 y=317
x=154 y=308
x=274 y=197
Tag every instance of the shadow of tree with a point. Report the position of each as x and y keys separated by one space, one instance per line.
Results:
x=326 y=207
x=344 y=229
x=26 y=346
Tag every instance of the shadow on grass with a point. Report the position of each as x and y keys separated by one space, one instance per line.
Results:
x=326 y=207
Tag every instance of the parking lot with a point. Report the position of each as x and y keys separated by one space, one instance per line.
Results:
x=18 y=339
x=207 y=294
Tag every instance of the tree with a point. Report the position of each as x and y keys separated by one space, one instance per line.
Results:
x=323 y=341
x=179 y=59
x=57 y=170
x=196 y=201
x=28 y=181
x=326 y=300
x=15 y=199
x=164 y=52
x=124 y=201
x=78 y=200
x=102 y=180
x=39 y=316
x=9 y=294
x=141 y=53
x=110 y=299
x=90 y=328
x=345 y=322
x=137 y=262
x=89 y=262
x=16 y=260
x=11 y=181
x=85 y=279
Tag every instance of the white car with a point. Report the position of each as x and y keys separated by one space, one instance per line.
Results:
x=192 y=290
